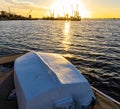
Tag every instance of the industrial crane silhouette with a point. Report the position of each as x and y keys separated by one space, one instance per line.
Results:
x=27 y=15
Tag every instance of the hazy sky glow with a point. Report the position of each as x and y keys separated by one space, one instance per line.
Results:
x=87 y=8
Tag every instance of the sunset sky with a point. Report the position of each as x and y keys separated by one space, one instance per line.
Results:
x=41 y=8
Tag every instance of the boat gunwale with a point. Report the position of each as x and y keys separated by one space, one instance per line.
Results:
x=9 y=58
x=105 y=97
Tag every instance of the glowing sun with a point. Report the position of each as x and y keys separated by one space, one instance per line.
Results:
x=62 y=7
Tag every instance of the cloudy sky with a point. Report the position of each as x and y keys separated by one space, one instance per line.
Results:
x=40 y=8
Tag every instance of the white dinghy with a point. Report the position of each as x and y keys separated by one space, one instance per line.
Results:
x=49 y=81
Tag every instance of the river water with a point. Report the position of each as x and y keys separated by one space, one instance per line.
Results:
x=93 y=46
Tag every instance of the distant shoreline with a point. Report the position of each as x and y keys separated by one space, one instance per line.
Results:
x=18 y=19
x=61 y=19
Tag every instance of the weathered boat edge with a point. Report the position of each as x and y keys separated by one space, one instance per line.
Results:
x=105 y=100
x=9 y=58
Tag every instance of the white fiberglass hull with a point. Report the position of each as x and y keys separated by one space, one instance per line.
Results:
x=49 y=81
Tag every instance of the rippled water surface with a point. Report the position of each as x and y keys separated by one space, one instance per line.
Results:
x=93 y=46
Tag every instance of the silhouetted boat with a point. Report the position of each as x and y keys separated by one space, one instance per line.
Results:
x=74 y=17
x=63 y=18
x=47 y=80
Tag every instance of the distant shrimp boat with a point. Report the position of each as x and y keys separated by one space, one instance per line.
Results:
x=63 y=18
x=66 y=16
x=48 y=80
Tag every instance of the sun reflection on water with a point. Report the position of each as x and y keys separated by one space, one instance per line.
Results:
x=66 y=39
